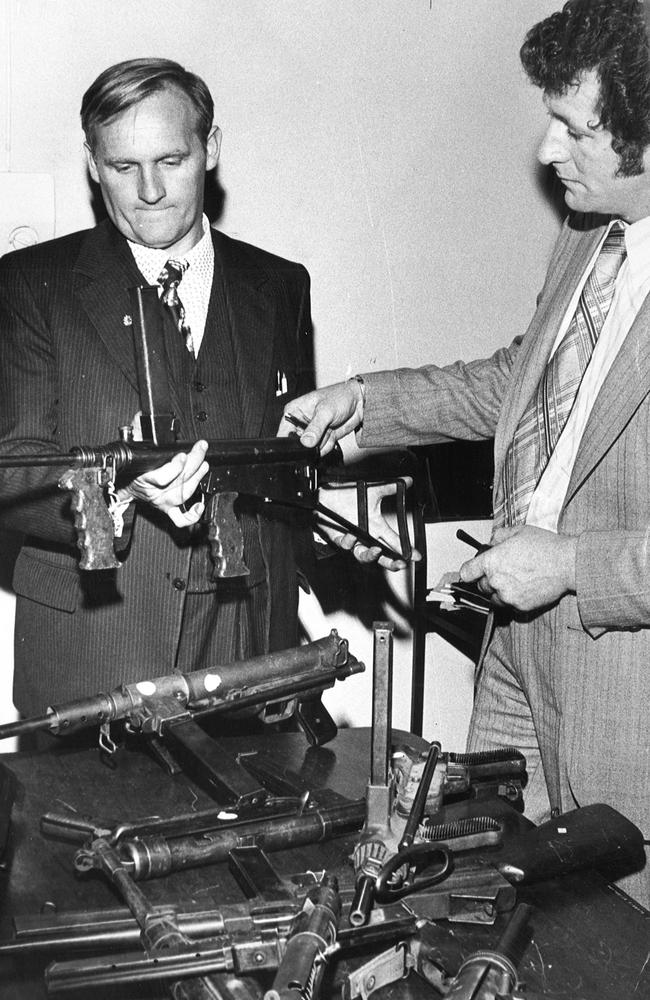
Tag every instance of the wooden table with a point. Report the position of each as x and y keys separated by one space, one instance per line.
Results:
x=590 y=941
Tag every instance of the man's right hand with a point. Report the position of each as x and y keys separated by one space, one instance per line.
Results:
x=328 y=415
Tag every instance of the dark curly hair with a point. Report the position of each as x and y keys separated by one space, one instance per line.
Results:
x=610 y=37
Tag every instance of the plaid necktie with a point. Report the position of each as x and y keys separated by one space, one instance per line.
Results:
x=547 y=412
x=170 y=278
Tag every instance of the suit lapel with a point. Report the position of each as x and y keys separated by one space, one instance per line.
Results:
x=571 y=261
x=627 y=383
x=252 y=315
x=102 y=275
x=626 y=386
x=105 y=271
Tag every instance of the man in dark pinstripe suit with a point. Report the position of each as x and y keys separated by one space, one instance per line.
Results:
x=68 y=376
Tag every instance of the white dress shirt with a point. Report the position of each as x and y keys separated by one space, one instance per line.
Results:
x=196 y=285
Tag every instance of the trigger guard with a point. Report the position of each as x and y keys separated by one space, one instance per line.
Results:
x=387 y=893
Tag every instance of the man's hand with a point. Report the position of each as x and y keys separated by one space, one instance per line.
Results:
x=526 y=568
x=327 y=415
x=171 y=485
x=343 y=500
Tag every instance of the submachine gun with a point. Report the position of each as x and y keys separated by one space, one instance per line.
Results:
x=442 y=830
x=275 y=471
x=166 y=710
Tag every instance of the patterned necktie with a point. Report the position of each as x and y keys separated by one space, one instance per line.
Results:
x=548 y=410
x=170 y=278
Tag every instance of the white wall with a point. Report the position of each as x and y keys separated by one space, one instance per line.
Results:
x=389 y=146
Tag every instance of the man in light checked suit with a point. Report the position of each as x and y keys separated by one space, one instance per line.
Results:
x=566 y=675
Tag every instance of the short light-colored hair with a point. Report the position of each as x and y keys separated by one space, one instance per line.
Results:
x=127 y=83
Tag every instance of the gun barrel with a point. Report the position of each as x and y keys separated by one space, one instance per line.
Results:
x=75 y=715
x=139 y=456
x=151 y=857
x=489 y=975
x=57 y=459
x=516 y=936
x=301 y=970
x=117 y=928
x=25 y=726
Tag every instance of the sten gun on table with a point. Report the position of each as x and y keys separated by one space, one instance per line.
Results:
x=229 y=940
x=238 y=939
x=459 y=854
x=281 y=685
x=252 y=937
x=481 y=880
x=156 y=846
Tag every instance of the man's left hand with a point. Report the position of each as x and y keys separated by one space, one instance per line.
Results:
x=525 y=568
x=170 y=486
x=343 y=500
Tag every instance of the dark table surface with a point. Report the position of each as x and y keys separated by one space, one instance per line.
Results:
x=590 y=942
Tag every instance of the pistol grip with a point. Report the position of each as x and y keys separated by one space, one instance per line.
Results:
x=226 y=540
x=92 y=520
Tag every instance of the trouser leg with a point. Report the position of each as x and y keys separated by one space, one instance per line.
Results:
x=502 y=717
x=222 y=628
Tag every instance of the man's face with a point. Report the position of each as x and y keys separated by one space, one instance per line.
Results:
x=580 y=151
x=150 y=165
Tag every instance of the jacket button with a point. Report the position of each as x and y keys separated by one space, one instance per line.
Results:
x=199 y=386
x=202 y=415
x=178 y=583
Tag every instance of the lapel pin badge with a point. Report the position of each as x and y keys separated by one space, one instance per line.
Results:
x=127 y=320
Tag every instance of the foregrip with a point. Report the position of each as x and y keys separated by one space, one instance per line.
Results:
x=93 y=522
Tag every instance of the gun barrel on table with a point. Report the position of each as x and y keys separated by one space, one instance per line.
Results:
x=230 y=938
x=247 y=945
x=312 y=939
x=156 y=856
x=493 y=974
x=300 y=672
